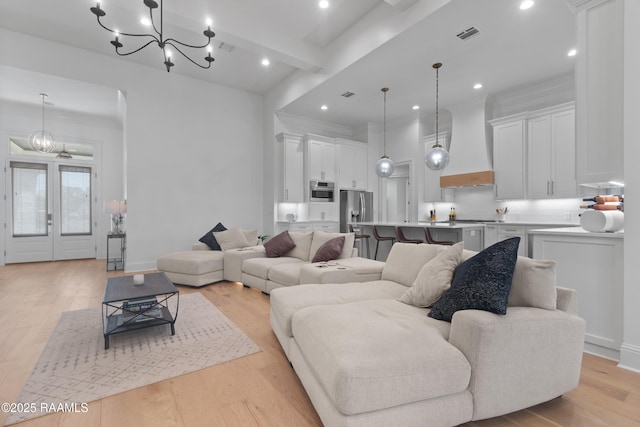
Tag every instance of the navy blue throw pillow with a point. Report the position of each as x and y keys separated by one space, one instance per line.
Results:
x=210 y=240
x=482 y=282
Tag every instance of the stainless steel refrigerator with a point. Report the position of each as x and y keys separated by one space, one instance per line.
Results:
x=355 y=206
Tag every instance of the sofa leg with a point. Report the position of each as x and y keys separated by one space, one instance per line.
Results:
x=264 y=293
x=245 y=286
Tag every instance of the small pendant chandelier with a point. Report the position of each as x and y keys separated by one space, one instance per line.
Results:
x=41 y=140
x=385 y=166
x=438 y=158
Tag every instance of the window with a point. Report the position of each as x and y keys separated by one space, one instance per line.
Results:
x=75 y=200
x=29 y=199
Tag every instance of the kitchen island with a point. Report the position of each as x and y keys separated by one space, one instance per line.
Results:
x=470 y=233
x=592 y=264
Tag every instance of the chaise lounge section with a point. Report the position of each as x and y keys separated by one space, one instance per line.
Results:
x=366 y=358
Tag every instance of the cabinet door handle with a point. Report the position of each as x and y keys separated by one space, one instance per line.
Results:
x=553 y=189
x=354 y=183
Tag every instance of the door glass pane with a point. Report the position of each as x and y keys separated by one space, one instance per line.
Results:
x=29 y=199
x=75 y=200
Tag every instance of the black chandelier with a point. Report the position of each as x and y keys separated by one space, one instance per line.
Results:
x=159 y=39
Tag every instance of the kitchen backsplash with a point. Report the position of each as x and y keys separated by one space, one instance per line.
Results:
x=478 y=203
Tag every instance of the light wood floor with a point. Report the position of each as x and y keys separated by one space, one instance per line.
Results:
x=257 y=390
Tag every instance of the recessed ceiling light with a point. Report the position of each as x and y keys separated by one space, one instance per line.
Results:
x=477 y=86
x=324 y=107
x=145 y=21
x=526 y=4
x=416 y=107
x=323 y=4
x=265 y=62
x=572 y=52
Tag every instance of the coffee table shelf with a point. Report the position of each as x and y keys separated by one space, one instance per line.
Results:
x=160 y=295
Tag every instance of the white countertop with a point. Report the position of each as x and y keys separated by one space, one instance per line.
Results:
x=578 y=231
x=456 y=225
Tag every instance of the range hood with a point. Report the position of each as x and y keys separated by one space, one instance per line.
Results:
x=469 y=148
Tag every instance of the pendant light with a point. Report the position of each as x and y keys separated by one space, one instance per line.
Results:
x=41 y=140
x=385 y=167
x=438 y=158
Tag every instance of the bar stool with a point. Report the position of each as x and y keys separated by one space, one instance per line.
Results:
x=403 y=239
x=364 y=238
x=427 y=235
x=380 y=238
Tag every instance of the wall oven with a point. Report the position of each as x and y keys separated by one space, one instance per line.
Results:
x=321 y=191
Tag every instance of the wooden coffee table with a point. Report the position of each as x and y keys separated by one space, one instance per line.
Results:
x=126 y=306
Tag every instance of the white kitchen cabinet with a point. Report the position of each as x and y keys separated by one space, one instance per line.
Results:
x=592 y=264
x=291 y=178
x=551 y=153
x=432 y=190
x=323 y=211
x=490 y=235
x=600 y=92
x=509 y=156
x=320 y=158
x=507 y=231
x=352 y=165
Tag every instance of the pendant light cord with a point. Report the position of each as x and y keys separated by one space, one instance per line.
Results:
x=43 y=95
x=384 y=125
x=437 y=67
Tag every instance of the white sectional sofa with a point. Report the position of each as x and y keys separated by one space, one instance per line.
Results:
x=295 y=267
x=367 y=359
x=251 y=266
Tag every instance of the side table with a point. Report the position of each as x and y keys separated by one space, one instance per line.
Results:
x=117 y=262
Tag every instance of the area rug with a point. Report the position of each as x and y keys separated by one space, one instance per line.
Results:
x=74 y=368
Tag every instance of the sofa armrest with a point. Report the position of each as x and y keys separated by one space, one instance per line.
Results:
x=199 y=246
x=526 y=357
x=233 y=259
x=567 y=300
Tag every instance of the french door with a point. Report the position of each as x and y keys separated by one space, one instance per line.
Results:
x=50 y=210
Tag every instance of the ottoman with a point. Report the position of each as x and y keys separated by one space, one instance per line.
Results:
x=192 y=268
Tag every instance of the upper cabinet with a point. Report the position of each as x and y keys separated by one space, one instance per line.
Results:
x=352 y=164
x=290 y=174
x=509 y=156
x=320 y=158
x=551 y=153
x=599 y=92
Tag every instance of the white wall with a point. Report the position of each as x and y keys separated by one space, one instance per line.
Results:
x=194 y=151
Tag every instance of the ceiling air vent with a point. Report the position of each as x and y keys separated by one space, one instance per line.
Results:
x=226 y=46
x=469 y=32
x=348 y=94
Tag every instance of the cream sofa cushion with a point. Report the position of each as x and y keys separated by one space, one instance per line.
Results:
x=285 y=302
x=322 y=237
x=342 y=344
x=434 y=278
x=286 y=274
x=191 y=262
x=303 y=245
x=251 y=236
x=406 y=260
x=259 y=267
x=232 y=238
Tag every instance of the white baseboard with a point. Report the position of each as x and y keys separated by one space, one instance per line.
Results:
x=132 y=267
x=629 y=357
